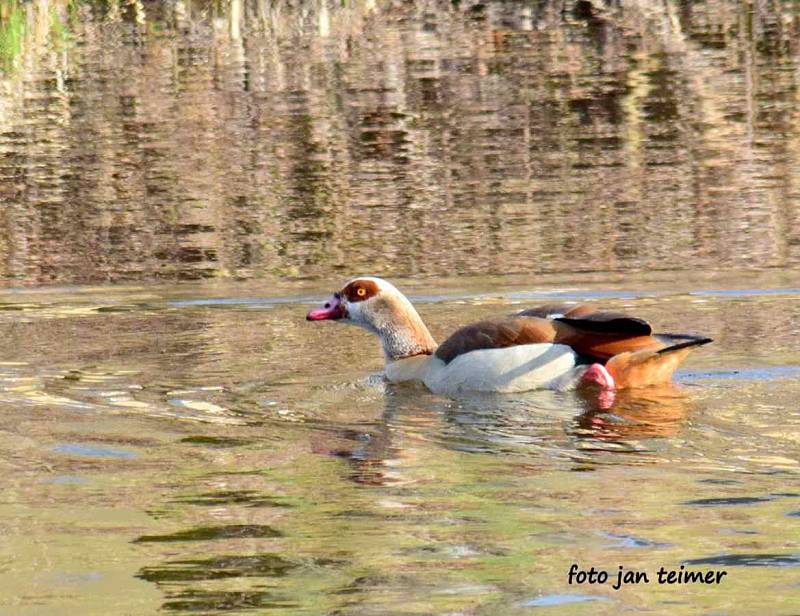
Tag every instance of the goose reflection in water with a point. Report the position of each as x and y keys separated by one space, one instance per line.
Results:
x=653 y=412
x=390 y=449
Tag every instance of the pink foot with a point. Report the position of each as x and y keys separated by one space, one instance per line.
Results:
x=597 y=373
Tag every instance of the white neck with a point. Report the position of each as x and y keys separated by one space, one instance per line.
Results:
x=403 y=334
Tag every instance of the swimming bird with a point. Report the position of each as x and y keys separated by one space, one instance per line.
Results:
x=556 y=346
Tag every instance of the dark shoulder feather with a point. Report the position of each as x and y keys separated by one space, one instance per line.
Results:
x=496 y=334
x=602 y=322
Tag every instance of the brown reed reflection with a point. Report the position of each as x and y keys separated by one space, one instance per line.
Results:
x=246 y=139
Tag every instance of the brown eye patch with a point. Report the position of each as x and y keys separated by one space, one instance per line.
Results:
x=360 y=290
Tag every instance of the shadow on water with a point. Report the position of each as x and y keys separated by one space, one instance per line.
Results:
x=263 y=566
x=244 y=498
x=730 y=500
x=219 y=567
x=210 y=533
x=196 y=600
x=749 y=560
x=216 y=441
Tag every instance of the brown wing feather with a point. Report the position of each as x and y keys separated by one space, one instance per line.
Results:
x=496 y=334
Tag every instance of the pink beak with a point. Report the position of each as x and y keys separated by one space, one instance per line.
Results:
x=332 y=309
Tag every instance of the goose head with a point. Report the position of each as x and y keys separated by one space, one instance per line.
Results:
x=377 y=306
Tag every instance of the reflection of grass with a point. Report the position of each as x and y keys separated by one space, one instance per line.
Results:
x=12 y=29
x=59 y=31
x=17 y=19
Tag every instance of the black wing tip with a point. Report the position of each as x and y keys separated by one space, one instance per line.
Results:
x=609 y=323
x=688 y=341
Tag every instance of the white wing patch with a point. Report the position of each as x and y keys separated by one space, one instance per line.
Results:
x=517 y=368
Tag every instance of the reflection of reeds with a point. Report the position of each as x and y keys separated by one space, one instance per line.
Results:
x=241 y=137
x=12 y=30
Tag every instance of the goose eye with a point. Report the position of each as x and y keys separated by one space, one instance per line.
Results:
x=361 y=292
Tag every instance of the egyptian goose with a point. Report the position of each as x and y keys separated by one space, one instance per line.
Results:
x=557 y=346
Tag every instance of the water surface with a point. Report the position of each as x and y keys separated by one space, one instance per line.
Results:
x=199 y=451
